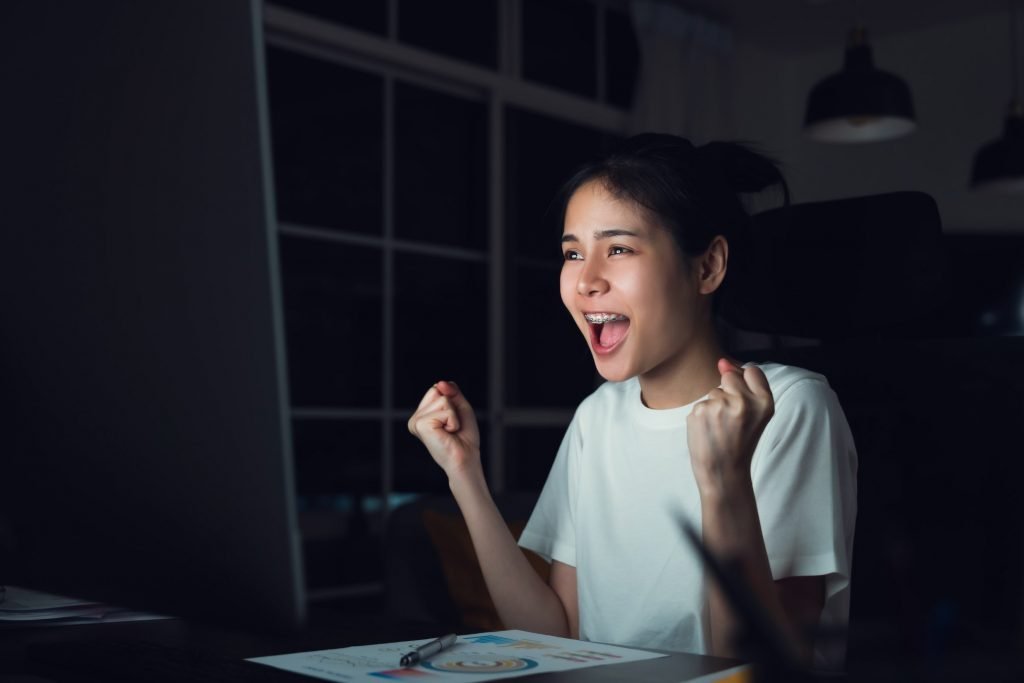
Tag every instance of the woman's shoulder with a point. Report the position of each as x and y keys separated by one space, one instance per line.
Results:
x=791 y=380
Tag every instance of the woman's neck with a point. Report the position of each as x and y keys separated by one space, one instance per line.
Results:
x=685 y=377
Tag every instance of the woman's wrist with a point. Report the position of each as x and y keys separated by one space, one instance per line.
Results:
x=467 y=478
x=724 y=484
x=729 y=515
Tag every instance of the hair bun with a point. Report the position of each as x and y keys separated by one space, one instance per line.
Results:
x=743 y=169
x=655 y=144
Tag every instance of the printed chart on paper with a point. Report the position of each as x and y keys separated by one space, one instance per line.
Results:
x=477 y=657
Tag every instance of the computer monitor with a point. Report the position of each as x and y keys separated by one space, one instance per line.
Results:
x=145 y=436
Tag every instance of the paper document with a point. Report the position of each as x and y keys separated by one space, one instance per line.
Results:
x=477 y=657
x=24 y=607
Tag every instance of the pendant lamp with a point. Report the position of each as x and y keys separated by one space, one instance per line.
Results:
x=999 y=165
x=860 y=103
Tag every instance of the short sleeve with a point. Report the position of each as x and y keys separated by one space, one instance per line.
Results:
x=550 y=531
x=804 y=474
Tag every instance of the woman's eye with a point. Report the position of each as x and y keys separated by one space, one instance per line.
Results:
x=572 y=256
x=618 y=250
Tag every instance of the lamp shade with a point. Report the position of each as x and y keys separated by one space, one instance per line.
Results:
x=999 y=165
x=860 y=103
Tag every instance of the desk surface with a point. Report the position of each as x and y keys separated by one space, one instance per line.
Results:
x=20 y=648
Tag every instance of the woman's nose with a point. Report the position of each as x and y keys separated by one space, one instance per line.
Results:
x=591 y=281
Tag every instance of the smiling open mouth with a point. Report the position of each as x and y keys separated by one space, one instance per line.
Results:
x=606 y=329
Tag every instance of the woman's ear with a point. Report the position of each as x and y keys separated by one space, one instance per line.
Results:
x=713 y=265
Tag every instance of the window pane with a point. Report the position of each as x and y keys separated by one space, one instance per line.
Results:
x=622 y=58
x=529 y=452
x=440 y=168
x=541 y=154
x=328 y=563
x=365 y=15
x=543 y=347
x=337 y=468
x=464 y=29
x=333 y=322
x=559 y=46
x=440 y=327
x=337 y=456
x=327 y=132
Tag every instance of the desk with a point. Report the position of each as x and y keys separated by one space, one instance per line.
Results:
x=326 y=629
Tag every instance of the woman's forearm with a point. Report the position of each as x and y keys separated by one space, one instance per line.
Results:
x=732 y=532
x=523 y=600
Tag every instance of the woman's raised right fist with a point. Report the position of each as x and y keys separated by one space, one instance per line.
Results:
x=445 y=423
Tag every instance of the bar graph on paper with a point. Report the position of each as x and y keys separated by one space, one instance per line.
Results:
x=477 y=657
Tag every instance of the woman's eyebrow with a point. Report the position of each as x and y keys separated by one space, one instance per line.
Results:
x=604 y=234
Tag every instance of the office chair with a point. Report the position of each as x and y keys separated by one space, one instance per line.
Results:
x=431 y=571
x=837 y=269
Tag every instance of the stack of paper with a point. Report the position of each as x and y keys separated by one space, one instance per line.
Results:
x=25 y=606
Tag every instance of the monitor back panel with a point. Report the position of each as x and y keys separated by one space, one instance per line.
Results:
x=146 y=446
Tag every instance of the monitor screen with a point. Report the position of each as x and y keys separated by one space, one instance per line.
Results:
x=146 y=450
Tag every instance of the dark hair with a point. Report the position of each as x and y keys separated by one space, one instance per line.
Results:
x=692 y=191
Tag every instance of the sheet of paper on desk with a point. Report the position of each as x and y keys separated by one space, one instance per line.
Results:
x=477 y=657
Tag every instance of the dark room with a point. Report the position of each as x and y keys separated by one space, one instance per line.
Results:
x=575 y=340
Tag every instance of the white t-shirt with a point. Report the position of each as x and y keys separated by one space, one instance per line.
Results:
x=622 y=480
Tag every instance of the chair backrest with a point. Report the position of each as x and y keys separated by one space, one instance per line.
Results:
x=431 y=571
x=838 y=269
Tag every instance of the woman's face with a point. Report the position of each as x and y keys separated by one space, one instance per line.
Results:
x=626 y=283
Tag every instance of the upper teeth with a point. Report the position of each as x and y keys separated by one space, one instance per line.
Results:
x=603 y=317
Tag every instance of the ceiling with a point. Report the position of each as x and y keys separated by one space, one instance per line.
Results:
x=795 y=26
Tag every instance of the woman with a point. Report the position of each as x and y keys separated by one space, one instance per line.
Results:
x=759 y=457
